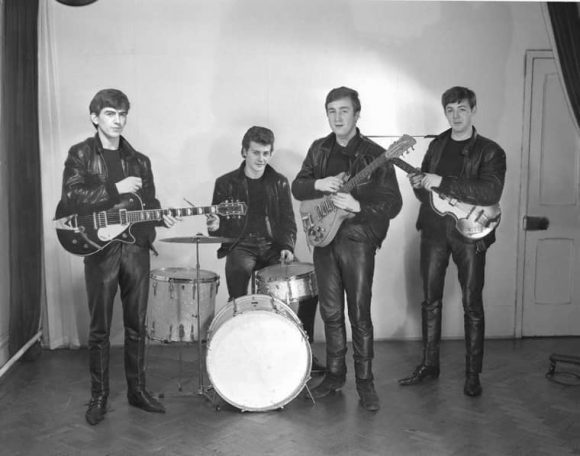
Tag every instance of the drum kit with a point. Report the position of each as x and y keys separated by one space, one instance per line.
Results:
x=257 y=355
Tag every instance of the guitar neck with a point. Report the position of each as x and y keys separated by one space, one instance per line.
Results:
x=149 y=215
x=404 y=165
x=364 y=173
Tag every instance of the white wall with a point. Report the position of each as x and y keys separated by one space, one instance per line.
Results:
x=199 y=73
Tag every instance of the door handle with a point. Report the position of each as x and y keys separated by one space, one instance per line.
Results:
x=535 y=223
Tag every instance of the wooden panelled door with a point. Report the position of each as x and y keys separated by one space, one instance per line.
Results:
x=550 y=276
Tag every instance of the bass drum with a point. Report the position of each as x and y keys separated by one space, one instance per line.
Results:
x=258 y=356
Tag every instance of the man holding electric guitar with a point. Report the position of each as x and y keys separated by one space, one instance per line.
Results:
x=346 y=223
x=461 y=171
x=101 y=172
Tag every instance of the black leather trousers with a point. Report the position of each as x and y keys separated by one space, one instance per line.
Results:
x=346 y=267
x=471 y=270
x=125 y=267
x=243 y=259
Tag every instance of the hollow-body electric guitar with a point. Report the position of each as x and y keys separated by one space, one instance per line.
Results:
x=85 y=234
x=472 y=221
x=321 y=219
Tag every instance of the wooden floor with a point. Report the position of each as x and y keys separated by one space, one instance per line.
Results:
x=42 y=405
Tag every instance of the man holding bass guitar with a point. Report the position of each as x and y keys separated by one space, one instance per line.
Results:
x=346 y=262
x=467 y=168
x=98 y=172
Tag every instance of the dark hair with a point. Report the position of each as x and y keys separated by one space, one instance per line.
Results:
x=108 y=98
x=260 y=135
x=343 y=92
x=457 y=95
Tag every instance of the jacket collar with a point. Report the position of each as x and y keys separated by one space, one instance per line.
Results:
x=351 y=148
x=125 y=149
x=241 y=174
x=446 y=136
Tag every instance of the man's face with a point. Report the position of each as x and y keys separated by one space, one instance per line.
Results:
x=257 y=156
x=460 y=118
x=342 y=118
x=110 y=122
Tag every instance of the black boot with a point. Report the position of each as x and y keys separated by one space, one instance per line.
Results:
x=472 y=385
x=421 y=373
x=144 y=400
x=369 y=400
x=333 y=380
x=97 y=409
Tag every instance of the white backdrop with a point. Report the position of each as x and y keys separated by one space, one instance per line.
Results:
x=199 y=73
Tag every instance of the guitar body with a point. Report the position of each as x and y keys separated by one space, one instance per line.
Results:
x=320 y=226
x=78 y=234
x=473 y=222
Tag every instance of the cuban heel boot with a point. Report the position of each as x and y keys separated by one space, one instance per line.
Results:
x=369 y=400
x=97 y=409
x=431 y=329
x=333 y=380
x=137 y=395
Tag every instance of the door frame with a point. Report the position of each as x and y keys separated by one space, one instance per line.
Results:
x=530 y=57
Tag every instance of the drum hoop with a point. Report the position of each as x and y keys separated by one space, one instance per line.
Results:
x=261 y=273
x=299 y=387
x=157 y=274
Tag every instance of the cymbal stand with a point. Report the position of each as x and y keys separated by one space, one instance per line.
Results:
x=202 y=390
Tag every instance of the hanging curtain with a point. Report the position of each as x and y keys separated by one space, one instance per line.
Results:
x=565 y=36
x=20 y=126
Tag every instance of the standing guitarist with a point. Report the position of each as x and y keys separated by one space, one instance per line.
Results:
x=347 y=263
x=460 y=164
x=97 y=171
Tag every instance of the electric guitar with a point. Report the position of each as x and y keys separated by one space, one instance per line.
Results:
x=85 y=234
x=472 y=221
x=321 y=219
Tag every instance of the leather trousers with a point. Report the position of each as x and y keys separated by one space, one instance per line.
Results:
x=245 y=258
x=126 y=267
x=346 y=267
x=470 y=264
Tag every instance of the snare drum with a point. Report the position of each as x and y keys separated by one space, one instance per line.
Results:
x=290 y=283
x=172 y=310
x=258 y=357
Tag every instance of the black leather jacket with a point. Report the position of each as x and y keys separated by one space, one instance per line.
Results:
x=480 y=182
x=379 y=196
x=280 y=220
x=86 y=188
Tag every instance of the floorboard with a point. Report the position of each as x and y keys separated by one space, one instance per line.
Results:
x=42 y=405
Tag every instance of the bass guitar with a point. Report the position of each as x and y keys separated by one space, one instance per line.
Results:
x=85 y=234
x=321 y=219
x=472 y=221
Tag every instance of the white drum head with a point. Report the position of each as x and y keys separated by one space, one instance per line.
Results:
x=258 y=360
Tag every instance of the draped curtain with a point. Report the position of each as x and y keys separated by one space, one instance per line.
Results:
x=565 y=35
x=20 y=127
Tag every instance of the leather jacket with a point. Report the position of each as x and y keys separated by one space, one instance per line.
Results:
x=379 y=196
x=280 y=221
x=86 y=188
x=480 y=182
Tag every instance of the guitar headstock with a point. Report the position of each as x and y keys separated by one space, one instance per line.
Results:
x=400 y=146
x=231 y=209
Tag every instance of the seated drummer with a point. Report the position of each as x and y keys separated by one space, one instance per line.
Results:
x=266 y=235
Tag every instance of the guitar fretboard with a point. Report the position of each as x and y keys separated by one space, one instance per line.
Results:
x=123 y=217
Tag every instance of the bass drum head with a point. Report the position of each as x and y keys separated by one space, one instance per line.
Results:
x=258 y=360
